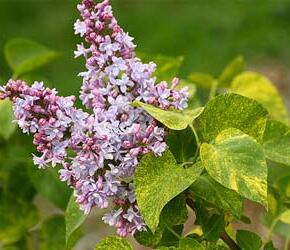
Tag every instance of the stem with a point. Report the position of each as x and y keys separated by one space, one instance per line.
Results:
x=187 y=163
x=213 y=90
x=197 y=141
x=229 y=241
x=174 y=233
x=271 y=229
x=224 y=236
x=287 y=243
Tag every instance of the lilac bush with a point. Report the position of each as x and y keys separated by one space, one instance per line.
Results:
x=98 y=148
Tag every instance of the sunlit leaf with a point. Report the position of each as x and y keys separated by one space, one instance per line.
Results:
x=232 y=111
x=173 y=119
x=113 y=243
x=237 y=161
x=258 y=87
x=157 y=181
x=276 y=142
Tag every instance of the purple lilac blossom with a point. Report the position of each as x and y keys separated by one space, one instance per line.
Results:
x=106 y=144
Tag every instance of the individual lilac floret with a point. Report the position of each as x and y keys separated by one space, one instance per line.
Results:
x=99 y=151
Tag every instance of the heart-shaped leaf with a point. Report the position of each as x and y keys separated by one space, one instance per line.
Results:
x=232 y=111
x=258 y=87
x=157 y=181
x=237 y=161
x=276 y=142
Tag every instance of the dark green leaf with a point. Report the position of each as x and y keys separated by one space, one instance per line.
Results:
x=213 y=228
x=248 y=240
x=211 y=191
x=157 y=181
x=234 y=68
x=269 y=246
x=232 y=111
x=182 y=144
x=173 y=119
x=24 y=55
x=174 y=213
x=237 y=162
x=276 y=142
x=113 y=243
x=74 y=218
x=258 y=87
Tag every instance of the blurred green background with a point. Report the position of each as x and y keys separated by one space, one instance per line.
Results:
x=207 y=33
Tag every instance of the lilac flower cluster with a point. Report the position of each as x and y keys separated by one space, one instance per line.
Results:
x=99 y=151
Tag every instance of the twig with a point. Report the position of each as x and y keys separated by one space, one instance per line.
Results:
x=229 y=241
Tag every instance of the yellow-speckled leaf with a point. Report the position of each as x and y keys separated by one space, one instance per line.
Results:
x=173 y=119
x=157 y=181
x=258 y=87
x=276 y=142
x=114 y=243
x=237 y=161
x=232 y=111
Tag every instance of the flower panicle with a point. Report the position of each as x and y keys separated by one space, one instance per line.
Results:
x=99 y=151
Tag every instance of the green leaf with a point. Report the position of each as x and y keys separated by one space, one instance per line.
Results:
x=74 y=218
x=202 y=80
x=16 y=218
x=276 y=142
x=190 y=244
x=23 y=55
x=285 y=217
x=53 y=233
x=157 y=181
x=213 y=228
x=258 y=87
x=7 y=127
x=237 y=161
x=232 y=111
x=47 y=183
x=208 y=189
x=234 y=68
x=173 y=119
x=248 y=240
x=182 y=144
x=113 y=243
x=167 y=66
x=174 y=213
x=269 y=246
